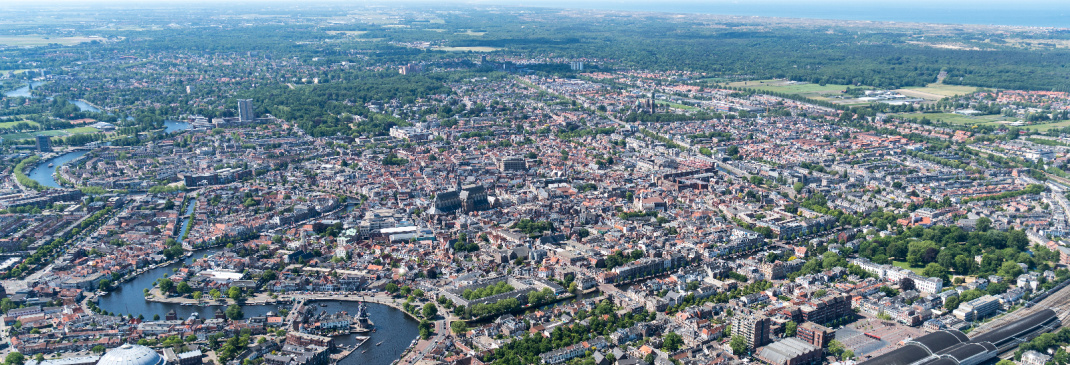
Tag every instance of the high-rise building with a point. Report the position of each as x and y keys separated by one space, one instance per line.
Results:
x=245 y=110
x=753 y=328
x=576 y=65
x=44 y=144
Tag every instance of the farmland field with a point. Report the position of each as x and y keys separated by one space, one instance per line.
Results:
x=466 y=49
x=35 y=40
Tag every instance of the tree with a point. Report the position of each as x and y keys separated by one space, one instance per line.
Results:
x=739 y=345
x=234 y=293
x=391 y=288
x=184 y=288
x=934 y=270
x=672 y=342
x=798 y=187
x=790 y=328
x=165 y=285
x=983 y=224
x=836 y=348
x=214 y=293
x=234 y=312
x=430 y=310
x=459 y=327
x=1010 y=270
x=425 y=329
x=16 y=358
x=951 y=303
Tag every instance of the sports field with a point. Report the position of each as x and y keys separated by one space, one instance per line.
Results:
x=6 y=125
x=792 y=87
x=936 y=91
x=53 y=133
x=955 y=118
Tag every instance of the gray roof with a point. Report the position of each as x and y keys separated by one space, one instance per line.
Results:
x=128 y=354
x=782 y=351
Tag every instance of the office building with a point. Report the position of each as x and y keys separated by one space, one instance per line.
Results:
x=245 y=110
x=44 y=143
x=978 y=308
x=512 y=163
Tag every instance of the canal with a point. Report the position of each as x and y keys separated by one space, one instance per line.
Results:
x=393 y=328
x=84 y=106
x=42 y=173
x=23 y=92
x=173 y=126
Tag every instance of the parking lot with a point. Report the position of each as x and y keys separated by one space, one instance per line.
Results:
x=888 y=335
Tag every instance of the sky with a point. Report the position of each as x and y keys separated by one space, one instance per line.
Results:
x=584 y=3
x=1044 y=13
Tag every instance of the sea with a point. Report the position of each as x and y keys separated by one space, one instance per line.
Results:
x=1035 y=13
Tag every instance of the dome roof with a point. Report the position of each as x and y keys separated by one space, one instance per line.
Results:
x=128 y=354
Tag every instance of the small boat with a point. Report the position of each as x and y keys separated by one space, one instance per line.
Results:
x=364 y=351
x=380 y=343
x=50 y=164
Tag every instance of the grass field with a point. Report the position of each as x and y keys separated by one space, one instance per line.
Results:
x=937 y=91
x=37 y=40
x=791 y=87
x=1045 y=127
x=827 y=92
x=466 y=49
x=678 y=106
x=347 y=32
x=904 y=265
x=6 y=125
x=54 y=133
x=955 y=118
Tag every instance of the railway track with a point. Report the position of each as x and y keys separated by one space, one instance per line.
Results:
x=1058 y=300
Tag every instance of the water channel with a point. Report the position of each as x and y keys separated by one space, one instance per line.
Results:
x=173 y=126
x=394 y=329
x=42 y=173
x=23 y=92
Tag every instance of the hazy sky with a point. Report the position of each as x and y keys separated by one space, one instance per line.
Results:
x=1044 y=13
x=585 y=3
